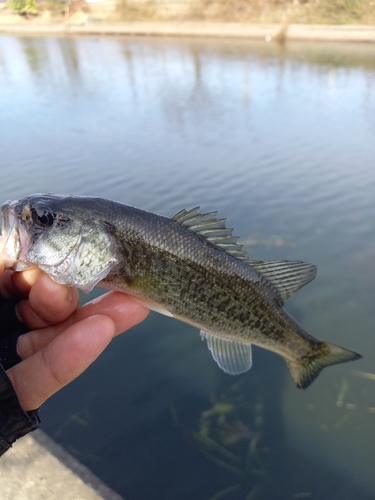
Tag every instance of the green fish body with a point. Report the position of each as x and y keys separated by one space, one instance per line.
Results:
x=188 y=266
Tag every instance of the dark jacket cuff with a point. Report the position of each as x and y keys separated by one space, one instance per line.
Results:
x=14 y=421
x=10 y=329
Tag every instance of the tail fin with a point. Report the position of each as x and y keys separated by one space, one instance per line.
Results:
x=307 y=369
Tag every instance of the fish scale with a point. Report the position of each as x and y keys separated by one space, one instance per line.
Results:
x=189 y=267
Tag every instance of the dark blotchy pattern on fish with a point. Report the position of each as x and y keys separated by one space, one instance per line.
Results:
x=170 y=264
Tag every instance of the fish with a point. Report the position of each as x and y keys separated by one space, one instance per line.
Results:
x=189 y=266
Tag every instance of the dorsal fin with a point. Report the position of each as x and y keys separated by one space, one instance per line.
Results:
x=212 y=229
x=287 y=276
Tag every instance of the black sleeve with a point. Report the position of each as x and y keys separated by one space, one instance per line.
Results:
x=14 y=421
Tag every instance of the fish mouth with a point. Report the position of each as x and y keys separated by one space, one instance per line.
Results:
x=13 y=250
x=10 y=235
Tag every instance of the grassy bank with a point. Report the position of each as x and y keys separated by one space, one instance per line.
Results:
x=252 y=11
x=245 y=11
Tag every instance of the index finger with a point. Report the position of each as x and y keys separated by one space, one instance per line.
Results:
x=13 y=284
x=123 y=309
x=48 y=303
x=2 y=261
x=2 y=265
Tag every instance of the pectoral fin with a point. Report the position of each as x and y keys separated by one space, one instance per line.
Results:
x=232 y=357
x=154 y=307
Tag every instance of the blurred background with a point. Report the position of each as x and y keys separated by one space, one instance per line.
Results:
x=253 y=11
x=280 y=138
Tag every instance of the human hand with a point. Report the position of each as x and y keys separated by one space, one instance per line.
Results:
x=63 y=339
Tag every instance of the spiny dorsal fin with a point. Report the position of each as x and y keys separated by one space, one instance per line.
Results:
x=212 y=229
x=287 y=276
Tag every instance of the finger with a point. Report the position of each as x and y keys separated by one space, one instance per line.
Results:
x=123 y=309
x=2 y=262
x=48 y=303
x=61 y=361
x=23 y=281
x=4 y=275
x=18 y=284
x=7 y=288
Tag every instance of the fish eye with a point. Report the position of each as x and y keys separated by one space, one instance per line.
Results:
x=45 y=219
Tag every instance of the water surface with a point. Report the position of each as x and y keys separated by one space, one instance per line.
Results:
x=281 y=140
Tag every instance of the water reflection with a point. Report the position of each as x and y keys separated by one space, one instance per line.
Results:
x=280 y=139
x=71 y=59
x=194 y=79
x=36 y=55
x=43 y=56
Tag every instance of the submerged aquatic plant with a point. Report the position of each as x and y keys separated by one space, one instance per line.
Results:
x=229 y=434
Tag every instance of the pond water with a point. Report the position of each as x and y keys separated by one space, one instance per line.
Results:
x=281 y=140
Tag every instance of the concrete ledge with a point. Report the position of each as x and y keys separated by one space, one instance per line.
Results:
x=36 y=468
x=268 y=32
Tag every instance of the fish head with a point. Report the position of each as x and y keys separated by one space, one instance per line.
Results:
x=68 y=242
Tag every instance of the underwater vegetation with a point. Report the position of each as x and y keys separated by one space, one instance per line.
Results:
x=232 y=434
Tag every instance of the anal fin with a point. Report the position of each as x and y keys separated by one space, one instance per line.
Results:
x=232 y=357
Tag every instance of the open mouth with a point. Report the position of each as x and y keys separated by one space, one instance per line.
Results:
x=10 y=235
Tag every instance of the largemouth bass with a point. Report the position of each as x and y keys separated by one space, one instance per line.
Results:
x=189 y=266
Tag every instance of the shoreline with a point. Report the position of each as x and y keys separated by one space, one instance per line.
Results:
x=37 y=468
x=267 y=32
